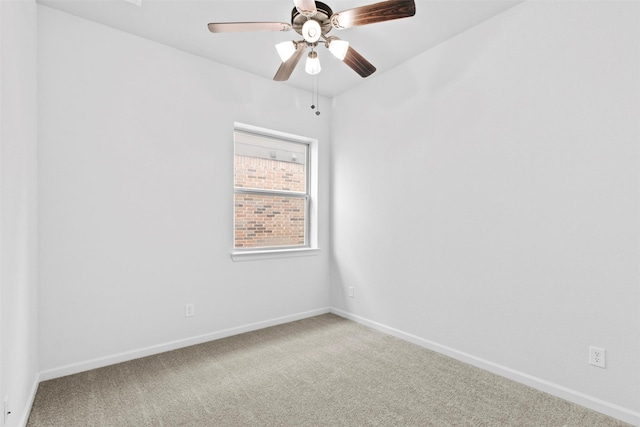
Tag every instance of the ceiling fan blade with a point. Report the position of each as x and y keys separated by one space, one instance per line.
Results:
x=286 y=68
x=373 y=13
x=234 y=27
x=358 y=64
x=306 y=7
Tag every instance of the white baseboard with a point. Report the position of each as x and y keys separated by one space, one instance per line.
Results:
x=590 y=402
x=24 y=417
x=161 y=348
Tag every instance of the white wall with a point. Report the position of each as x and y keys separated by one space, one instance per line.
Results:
x=18 y=200
x=136 y=190
x=485 y=198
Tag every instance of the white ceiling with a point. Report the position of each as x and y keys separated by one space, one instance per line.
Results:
x=183 y=24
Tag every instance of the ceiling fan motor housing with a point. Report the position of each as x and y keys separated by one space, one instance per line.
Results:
x=322 y=17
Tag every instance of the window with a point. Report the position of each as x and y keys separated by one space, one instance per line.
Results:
x=272 y=192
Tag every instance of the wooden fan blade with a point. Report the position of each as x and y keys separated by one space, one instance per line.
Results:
x=358 y=64
x=306 y=7
x=373 y=13
x=286 y=68
x=234 y=27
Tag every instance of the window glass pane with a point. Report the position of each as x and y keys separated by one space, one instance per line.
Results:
x=268 y=164
x=263 y=220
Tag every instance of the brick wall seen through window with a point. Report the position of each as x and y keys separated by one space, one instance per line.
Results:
x=271 y=196
x=266 y=220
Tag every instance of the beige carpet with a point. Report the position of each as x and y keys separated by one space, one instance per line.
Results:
x=322 y=371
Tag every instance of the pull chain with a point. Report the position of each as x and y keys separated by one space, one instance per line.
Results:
x=313 y=105
x=315 y=100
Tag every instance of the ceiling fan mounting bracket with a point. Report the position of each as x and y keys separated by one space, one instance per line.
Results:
x=334 y=20
x=305 y=43
x=322 y=17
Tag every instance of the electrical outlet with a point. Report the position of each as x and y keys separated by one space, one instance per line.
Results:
x=351 y=292
x=6 y=411
x=189 y=310
x=597 y=356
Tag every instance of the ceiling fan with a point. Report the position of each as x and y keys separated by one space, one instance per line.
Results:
x=313 y=20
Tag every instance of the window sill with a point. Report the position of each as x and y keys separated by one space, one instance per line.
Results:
x=272 y=254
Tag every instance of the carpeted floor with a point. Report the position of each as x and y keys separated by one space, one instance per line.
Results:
x=322 y=371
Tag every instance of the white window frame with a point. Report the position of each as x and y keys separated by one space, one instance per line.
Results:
x=311 y=246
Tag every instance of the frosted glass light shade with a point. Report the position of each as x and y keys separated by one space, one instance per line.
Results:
x=285 y=50
x=339 y=48
x=311 y=31
x=313 y=63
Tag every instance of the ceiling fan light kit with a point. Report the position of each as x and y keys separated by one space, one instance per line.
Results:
x=313 y=63
x=337 y=47
x=313 y=20
x=311 y=31
x=286 y=50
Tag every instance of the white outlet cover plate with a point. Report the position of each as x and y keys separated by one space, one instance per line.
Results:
x=189 y=310
x=597 y=356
